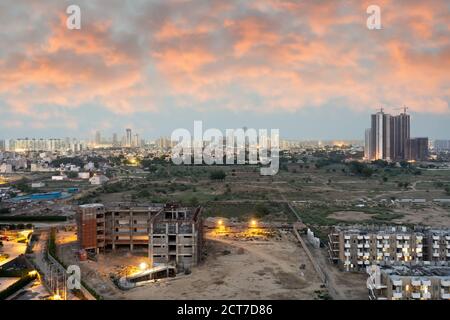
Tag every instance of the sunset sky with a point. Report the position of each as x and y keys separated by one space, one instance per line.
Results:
x=308 y=67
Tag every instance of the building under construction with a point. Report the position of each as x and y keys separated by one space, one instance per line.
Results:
x=171 y=234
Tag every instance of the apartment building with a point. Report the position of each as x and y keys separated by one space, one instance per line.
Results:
x=354 y=248
x=438 y=243
x=408 y=283
x=169 y=233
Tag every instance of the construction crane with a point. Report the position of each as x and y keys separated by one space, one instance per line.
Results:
x=404 y=108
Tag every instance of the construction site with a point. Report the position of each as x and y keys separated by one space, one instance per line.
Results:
x=238 y=261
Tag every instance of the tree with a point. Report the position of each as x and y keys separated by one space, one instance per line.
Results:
x=72 y=174
x=217 y=175
x=193 y=201
x=447 y=190
x=23 y=186
x=261 y=210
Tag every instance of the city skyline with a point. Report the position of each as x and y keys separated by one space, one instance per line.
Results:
x=313 y=70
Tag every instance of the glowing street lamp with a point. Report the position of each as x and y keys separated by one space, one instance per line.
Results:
x=143 y=266
x=32 y=273
x=253 y=223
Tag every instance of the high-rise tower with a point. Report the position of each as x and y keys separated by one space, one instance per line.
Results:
x=129 y=139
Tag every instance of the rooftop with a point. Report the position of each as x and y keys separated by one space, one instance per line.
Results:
x=417 y=271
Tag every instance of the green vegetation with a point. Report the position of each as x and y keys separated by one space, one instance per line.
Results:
x=447 y=190
x=52 y=244
x=72 y=174
x=261 y=210
x=217 y=175
x=361 y=169
x=318 y=215
x=24 y=186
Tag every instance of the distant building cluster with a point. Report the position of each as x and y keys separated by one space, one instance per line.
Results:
x=40 y=144
x=389 y=139
x=442 y=145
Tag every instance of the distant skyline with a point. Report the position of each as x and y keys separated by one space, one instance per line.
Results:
x=309 y=68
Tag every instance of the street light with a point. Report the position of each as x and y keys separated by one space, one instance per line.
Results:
x=143 y=266
x=253 y=223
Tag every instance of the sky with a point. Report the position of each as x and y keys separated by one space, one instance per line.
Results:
x=310 y=68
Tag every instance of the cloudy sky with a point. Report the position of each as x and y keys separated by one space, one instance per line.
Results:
x=308 y=67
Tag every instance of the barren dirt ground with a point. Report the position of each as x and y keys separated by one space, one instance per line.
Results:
x=435 y=216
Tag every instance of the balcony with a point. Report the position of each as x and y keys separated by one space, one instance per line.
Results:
x=397 y=283
x=367 y=246
x=435 y=254
x=436 y=237
x=360 y=254
x=347 y=237
x=419 y=254
x=347 y=245
x=445 y=282
x=436 y=246
x=387 y=254
x=445 y=296
x=359 y=237
x=379 y=245
x=347 y=254
x=426 y=283
x=415 y=295
x=360 y=246
x=397 y=295
x=399 y=245
x=415 y=282
x=399 y=237
x=399 y=254
x=426 y=295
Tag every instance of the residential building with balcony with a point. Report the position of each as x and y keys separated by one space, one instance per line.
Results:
x=355 y=247
x=408 y=283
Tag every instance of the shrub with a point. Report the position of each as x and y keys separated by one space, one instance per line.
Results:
x=217 y=175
